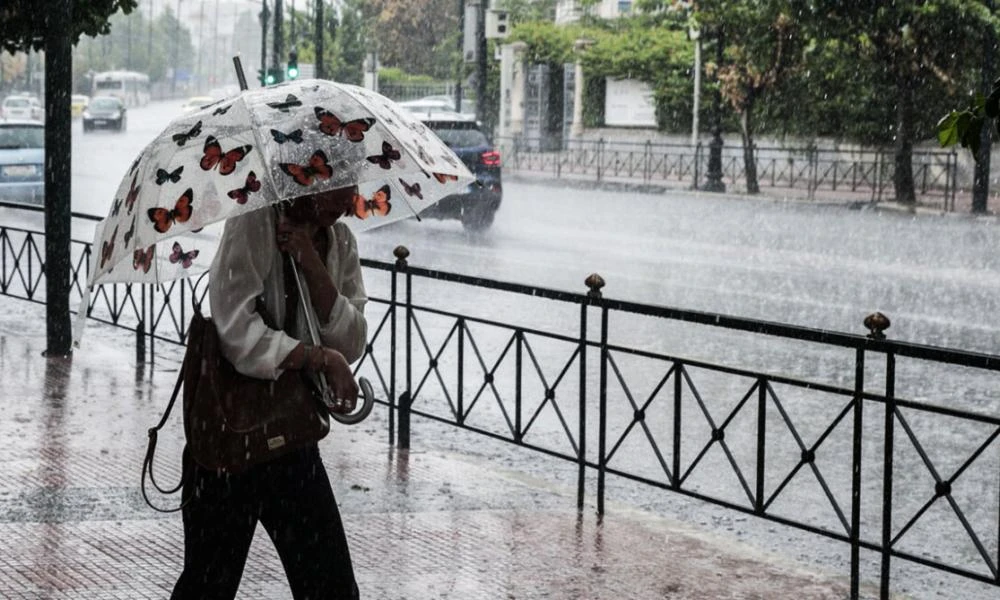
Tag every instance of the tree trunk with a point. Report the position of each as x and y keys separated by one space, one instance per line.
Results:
x=58 y=221
x=902 y=178
x=749 y=160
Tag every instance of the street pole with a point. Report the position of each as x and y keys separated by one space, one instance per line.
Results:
x=264 y=15
x=460 y=68
x=481 y=61
x=177 y=37
x=320 y=39
x=696 y=37
x=713 y=178
x=279 y=39
x=149 y=40
x=201 y=44
x=58 y=219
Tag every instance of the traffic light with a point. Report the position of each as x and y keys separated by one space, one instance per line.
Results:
x=293 y=65
x=272 y=77
x=262 y=76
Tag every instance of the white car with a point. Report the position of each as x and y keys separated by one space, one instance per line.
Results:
x=22 y=107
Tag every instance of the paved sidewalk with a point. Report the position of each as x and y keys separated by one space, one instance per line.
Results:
x=422 y=525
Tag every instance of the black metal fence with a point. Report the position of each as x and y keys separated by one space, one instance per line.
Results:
x=832 y=433
x=864 y=174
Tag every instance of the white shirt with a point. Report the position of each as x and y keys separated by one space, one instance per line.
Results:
x=249 y=264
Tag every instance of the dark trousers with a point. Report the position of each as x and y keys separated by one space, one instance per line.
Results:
x=291 y=496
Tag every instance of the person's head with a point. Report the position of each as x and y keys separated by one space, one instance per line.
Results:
x=322 y=208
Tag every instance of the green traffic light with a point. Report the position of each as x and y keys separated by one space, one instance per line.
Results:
x=293 y=72
x=269 y=79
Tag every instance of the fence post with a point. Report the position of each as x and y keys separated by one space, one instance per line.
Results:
x=393 y=345
x=855 y=536
x=600 y=158
x=761 y=444
x=646 y=177
x=581 y=459
x=595 y=282
x=140 y=330
x=697 y=165
x=402 y=253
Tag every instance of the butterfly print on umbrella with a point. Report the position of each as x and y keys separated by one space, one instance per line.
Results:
x=131 y=231
x=108 y=248
x=163 y=176
x=388 y=155
x=291 y=101
x=184 y=258
x=132 y=195
x=378 y=204
x=330 y=124
x=142 y=259
x=241 y=195
x=135 y=164
x=116 y=207
x=186 y=136
x=221 y=110
x=412 y=189
x=164 y=218
x=226 y=160
x=318 y=168
x=292 y=136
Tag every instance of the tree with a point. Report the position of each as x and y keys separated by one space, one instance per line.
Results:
x=53 y=28
x=350 y=44
x=921 y=46
x=418 y=36
x=24 y=24
x=763 y=44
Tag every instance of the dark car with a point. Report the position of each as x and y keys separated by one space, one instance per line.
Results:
x=22 y=161
x=104 y=112
x=476 y=207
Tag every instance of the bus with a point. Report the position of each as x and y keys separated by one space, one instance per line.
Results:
x=130 y=87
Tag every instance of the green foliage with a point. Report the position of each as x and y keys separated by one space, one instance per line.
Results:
x=347 y=53
x=418 y=36
x=24 y=24
x=547 y=42
x=966 y=127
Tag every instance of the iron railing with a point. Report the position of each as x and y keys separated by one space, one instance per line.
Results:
x=861 y=175
x=834 y=449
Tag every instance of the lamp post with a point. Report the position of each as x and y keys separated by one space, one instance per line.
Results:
x=695 y=34
x=713 y=178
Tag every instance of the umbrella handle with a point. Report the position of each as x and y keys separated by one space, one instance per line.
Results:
x=336 y=405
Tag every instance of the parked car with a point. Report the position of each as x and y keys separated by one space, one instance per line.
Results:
x=22 y=161
x=105 y=112
x=77 y=104
x=477 y=206
x=22 y=107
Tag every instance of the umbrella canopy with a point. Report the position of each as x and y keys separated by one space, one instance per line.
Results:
x=259 y=148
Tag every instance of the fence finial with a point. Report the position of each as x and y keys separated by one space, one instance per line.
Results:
x=877 y=323
x=595 y=282
x=401 y=253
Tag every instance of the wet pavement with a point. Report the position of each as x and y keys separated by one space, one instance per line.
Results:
x=422 y=525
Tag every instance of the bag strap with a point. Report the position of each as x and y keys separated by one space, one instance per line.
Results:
x=147 y=462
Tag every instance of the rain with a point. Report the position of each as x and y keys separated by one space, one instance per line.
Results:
x=733 y=231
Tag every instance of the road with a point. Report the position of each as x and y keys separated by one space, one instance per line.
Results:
x=938 y=277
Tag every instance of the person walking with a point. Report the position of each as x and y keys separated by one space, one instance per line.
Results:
x=291 y=495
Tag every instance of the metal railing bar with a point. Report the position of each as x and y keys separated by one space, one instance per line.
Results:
x=497 y=324
x=637 y=419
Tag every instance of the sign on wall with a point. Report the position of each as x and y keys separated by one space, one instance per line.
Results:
x=629 y=103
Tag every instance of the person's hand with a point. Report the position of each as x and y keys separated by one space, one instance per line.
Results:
x=340 y=379
x=295 y=239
